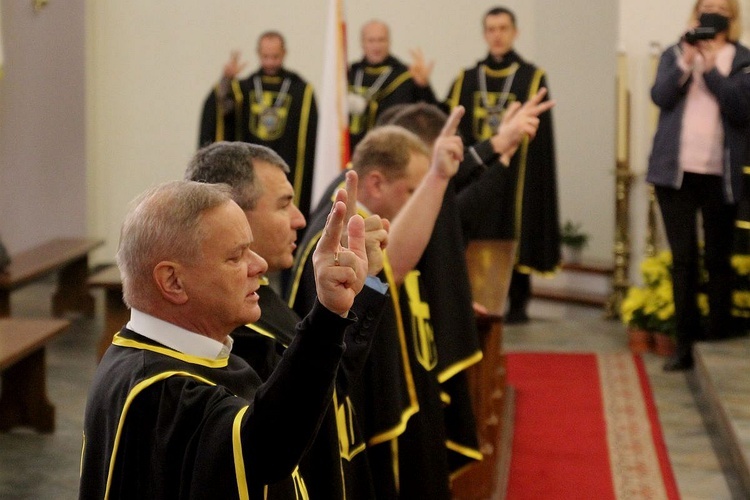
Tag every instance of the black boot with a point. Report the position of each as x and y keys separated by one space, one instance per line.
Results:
x=682 y=359
x=519 y=294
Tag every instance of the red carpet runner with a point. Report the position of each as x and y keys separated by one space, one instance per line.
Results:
x=585 y=427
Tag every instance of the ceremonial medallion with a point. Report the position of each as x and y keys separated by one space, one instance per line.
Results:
x=494 y=117
x=270 y=119
x=357 y=103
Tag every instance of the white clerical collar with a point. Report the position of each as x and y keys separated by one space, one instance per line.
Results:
x=178 y=338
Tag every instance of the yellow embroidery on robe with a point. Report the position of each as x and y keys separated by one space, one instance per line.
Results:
x=421 y=327
x=484 y=118
x=273 y=128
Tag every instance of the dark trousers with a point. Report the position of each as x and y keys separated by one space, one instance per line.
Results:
x=519 y=293
x=679 y=210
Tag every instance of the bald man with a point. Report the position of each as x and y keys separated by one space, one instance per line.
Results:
x=379 y=80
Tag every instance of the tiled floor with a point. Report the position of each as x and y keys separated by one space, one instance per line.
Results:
x=34 y=466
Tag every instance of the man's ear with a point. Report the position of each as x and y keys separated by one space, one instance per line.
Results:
x=373 y=183
x=168 y=278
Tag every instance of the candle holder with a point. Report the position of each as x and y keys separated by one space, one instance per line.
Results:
x=623 y=180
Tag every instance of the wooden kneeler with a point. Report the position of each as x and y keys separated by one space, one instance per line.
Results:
x=490 y=264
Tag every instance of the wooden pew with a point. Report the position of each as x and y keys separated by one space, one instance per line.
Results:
x=23 y=393
x=116 y=313
x=490 y=265
x=68 y=257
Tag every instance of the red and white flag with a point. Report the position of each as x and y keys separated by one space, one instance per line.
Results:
x=332 y=142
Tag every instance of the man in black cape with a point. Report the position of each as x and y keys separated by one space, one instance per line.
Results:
x=486 y=90
x=171 y=411
x=274 y=107
x=379 y=81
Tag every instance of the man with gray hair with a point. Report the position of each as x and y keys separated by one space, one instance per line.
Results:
x=171 y=412
x=256 y=175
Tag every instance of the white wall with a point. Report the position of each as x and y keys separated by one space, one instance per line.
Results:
x=151 y=64
x=42 y=152
x=575 y=43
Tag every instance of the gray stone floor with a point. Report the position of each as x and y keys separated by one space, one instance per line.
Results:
x=34 y=466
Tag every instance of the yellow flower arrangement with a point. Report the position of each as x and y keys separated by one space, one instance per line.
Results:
x=632 y=309
x=651 y=306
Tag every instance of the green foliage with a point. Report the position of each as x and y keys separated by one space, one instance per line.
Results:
x=571 y=235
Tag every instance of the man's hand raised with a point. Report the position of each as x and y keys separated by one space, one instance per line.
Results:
x=340 y=272
x=519 y=121
x=420 y=69
x=233 y=67
x=376 y=227
x=448 y=151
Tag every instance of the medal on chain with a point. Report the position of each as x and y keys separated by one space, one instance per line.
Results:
x=269 y=116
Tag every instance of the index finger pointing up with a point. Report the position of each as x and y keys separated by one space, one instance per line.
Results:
x=331 y=237
x=351 y=190
x=451 y=126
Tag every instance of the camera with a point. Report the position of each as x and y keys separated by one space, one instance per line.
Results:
x=700 y=33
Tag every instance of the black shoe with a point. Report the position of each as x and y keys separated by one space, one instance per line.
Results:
x=726 y=335
x=678 y=362
x=516 y=317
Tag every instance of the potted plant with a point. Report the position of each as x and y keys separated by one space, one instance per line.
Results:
x=648 y=311
x=573 y=241
x=633 y=315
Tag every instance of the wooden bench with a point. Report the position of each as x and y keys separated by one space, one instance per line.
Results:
x=68 y=257
x=116 y=313
x=23 y=392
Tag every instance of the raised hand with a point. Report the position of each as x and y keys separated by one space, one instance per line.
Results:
x=448 y=151
x=519 y=121
x=376 y=228
x=340 y=272
x=233 y=67
x=420 y=69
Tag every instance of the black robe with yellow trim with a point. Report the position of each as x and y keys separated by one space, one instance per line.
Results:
x=293 y=140
x=424 y=446
x=383 y=404
x=448 y=293
x=161 y=424
x=741 y=250
x=397 y=88
x=330 y=469
x=533 y=218
x=742 y=221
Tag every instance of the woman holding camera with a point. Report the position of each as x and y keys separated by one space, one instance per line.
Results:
x=702 y=88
